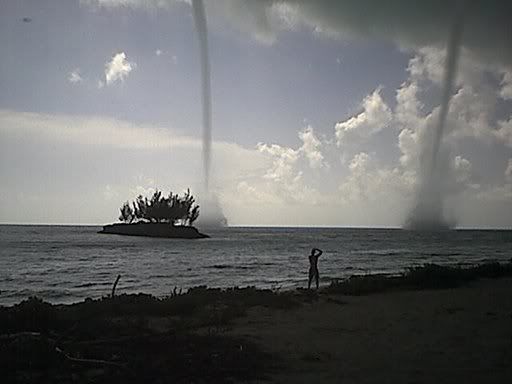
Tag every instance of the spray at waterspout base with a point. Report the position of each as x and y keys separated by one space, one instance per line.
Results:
x=428 y=213
x=210 y=215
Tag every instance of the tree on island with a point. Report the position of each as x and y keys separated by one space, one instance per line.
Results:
x=173 y=209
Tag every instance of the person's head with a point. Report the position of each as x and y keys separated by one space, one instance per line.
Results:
x=313 y=251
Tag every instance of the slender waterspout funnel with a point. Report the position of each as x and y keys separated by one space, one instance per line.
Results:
x=202 y=33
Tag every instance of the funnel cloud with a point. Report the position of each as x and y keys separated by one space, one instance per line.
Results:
x=211 y=211
x=202 y=34
x=428 y=212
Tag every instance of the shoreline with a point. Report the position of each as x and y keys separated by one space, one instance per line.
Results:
x=148 y=229
x=447 y=274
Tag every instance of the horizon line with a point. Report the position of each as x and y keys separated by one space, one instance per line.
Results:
x=394 y=227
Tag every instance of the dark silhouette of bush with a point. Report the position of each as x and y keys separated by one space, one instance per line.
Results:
x=127 y=214
x=428 y=276
x=174 y=209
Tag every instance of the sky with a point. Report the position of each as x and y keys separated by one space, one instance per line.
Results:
x=320 y=110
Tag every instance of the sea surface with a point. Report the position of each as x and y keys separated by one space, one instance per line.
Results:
x=63 y=264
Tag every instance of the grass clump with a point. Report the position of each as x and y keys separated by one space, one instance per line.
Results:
x=428 y=276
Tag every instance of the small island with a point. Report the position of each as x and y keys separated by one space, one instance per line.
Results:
x=159 y=216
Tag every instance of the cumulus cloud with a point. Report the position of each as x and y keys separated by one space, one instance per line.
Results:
x=375 y=116
x=368 y=182
x=471 y=115
x=118 y=68
x=462 y=168
x=409 y=108
x=428 y=62
x=385 y=191
x=285 y=175
x=284 y=160
x=416 y=135
x=472 y=107
x=504 y=131
x=506 y=86
x=508 y=171
x=74 y=76
x=311 y=147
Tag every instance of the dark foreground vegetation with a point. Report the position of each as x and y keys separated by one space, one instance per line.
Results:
x=180 y=338
x=428 y=276
x=133 y=338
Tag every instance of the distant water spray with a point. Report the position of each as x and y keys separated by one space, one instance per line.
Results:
x=428 y=212
x=202 y=33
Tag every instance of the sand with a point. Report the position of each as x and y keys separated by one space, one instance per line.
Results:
x=460 y=335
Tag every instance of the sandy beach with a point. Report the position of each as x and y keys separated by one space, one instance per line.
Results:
x=402 y=334
x=461 y=335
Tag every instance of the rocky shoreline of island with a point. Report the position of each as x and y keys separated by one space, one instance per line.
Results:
x=162 y=230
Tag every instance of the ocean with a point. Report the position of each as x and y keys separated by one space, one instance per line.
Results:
x=63 y=264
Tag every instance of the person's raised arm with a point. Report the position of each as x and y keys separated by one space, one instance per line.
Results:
x=318 y=252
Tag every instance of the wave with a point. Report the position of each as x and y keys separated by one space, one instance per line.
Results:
x=436 y=254
x=229 y=266
x=383 y=252
x=88 y=285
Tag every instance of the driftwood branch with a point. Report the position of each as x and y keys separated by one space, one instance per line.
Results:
x=115 y=285
x=156 y=336
x=38 y=335
x=89 y=361
x=10 y=336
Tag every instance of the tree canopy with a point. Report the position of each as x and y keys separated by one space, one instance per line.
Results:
x=174 y=209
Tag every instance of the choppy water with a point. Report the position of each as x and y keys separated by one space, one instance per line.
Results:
x=69 y=263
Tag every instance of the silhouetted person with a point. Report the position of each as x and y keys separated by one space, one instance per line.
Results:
x=313 y=266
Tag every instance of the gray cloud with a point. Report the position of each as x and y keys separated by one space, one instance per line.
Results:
x=487 y=33
x=487 y=30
